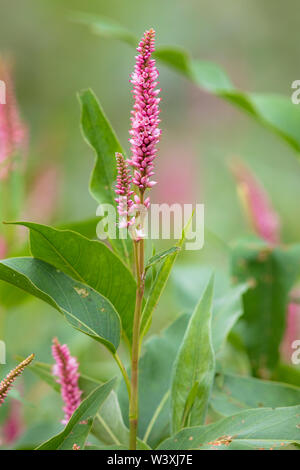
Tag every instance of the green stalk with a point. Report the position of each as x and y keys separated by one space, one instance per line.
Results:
x=139 y=253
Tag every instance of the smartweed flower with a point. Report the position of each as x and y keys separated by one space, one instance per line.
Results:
x=66 y=371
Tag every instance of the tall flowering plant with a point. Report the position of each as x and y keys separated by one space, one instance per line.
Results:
x=170 y=388
x=145 y=135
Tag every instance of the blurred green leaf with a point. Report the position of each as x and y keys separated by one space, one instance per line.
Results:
x=275 y=112
x=194 y=367
x=90 y=262
x=287 y=373
x=234 y=393
x=36 y=433
x=107 y=27
x=83 y=307
x=249 y=430
x=79 y=426
x=100 y=135
x=160 y=282
x=226 y=312
x=270 y=273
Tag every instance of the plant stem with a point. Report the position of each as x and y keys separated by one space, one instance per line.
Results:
x=133 y=404
x=124 y=373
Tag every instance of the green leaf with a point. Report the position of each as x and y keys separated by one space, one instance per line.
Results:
x=194 y=368
x=160 y=256
x=155 y=367
x=86 y=227
x=83 y=307
x=90 y=262
x=80 y=424
x=287 y=373
x=273 y=111
x=100 y=136
x=226 y=312
x=108 y=427
x=234 y=393
x=107 y=27
x=157 y=360
x=43 y=371
x=270 y=273
x=251 y=429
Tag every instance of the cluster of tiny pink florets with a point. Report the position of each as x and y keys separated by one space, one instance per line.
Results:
x=145 y=115
x=124 y=191
x=144 y=134
x=66 y=371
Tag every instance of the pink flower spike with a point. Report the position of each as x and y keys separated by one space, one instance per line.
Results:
x=13 y=132
x=13 y=425
x=123 y=190
x=66 y=371
x=145 y=115
x=258 y=207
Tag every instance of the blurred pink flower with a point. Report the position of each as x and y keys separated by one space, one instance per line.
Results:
x=184 y=181
x=3 y=247
x=13 y=132
x=43 y=196
x=257 y=205
x=266 y=223
x=66 y=371
x=13 y=426
x=292 y=331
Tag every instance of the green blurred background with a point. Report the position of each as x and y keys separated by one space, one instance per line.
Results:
x=255 y=42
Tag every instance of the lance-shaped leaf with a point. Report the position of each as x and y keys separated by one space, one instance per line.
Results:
x=80 y=424
x=194 y=367
x=273 y=111
x=270 y=273
x=83 y=307
x=160 y=256
x=262 y=428
x=100 y=135
x=234 y=393
x=90 y=262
